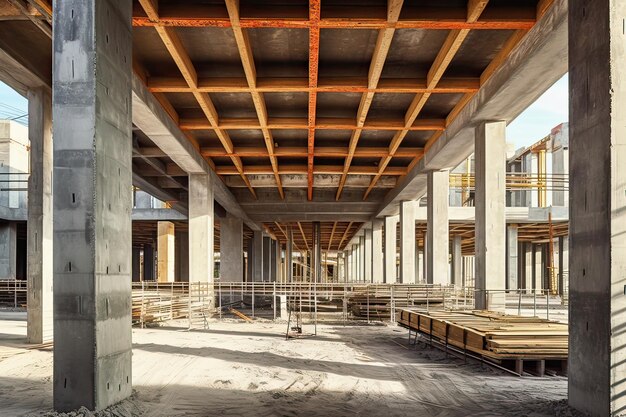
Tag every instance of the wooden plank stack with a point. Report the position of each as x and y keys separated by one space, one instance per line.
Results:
x=492 y=335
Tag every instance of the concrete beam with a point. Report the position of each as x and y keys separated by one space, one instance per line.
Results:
x=536 y=63
x=153 y=120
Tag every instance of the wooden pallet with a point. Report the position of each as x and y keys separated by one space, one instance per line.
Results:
x=512 y=341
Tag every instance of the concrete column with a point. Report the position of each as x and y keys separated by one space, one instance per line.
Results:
x=317 y=252
x=597 y=265
x=390 y=249
x=39 y=225
x=407 y=242
x=136 y=259
x=166 y=247
x=201 y=228
x=563 y=263
x=437 y=226
x=92 y=43
x=267 y=258
x=362 y=258
x=511 y=257
x=8 y=250
x=538 y=267
x=181 y=262
x=148 y=262
x=231 y=249
x=377 y=251
x=424 y=257
x=289 y=256
x=256 y=246
x=490 y=157
x=367 y=263
x=457 y=261
x=528 y=267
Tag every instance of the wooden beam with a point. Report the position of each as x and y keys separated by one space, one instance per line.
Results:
x=332 y=234
x=302 y=124
x=337 y=152
x=324 y=85
x=343 y=237
x=314 y=49
x=200 y=19
x=303 y=236
x=303 y=169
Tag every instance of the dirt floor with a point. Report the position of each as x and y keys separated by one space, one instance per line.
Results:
x=249 y=369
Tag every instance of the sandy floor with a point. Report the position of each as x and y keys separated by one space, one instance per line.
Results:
x=241 y=369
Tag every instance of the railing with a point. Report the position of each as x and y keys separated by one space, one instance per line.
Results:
x=517 y=181
x=13 y=189
x=154 y=302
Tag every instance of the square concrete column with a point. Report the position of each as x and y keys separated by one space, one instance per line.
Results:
x=39 y=225
x=390 y=249
x=181 y=260
x=317 y=252
x=136 y=275
x=597 y=247
x=511 y=257
x=437 y=226
x=289 y=256
x=490 y=157
x=424 y=258
x=201 y=228
x=563 y=263
x=362 y=252
x=8 y=250
x=377 y=251
x=457 y=261
x=231 y=249
x=407 y=242
x=256 y=250
x=166 y=248
x=92 y=42
x=367 y=263
x=537 y=267
x=267 y=258
x=148 y=262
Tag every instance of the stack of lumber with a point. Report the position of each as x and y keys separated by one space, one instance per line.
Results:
x=158 y=306
x=376 y=302
x=491 y=334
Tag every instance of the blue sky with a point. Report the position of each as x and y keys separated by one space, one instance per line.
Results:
x=537 y=120
x=533 y=124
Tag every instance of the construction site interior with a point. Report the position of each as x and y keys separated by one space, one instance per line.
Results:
x=311 y=208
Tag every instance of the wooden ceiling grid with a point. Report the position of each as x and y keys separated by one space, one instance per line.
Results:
x=334 y=235
x=166 y=20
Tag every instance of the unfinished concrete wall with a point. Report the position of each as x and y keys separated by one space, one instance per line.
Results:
x=92 y=202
